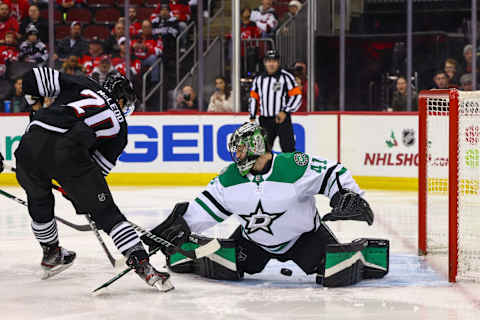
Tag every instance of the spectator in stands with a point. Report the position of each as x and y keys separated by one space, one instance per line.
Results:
x=300 y=70
x=166 y=26
x=148 y=49
x=450 y=69
x=466 y=82
x=119 y=62
x=72 y=45
x=40 y=23
x=181 y=10
x=249 y=30
x=72 y=66
x=135 y=23
x=266 y=18
x=7 y=23
x=18 y=8
x=468 y=56
x=17 y=98
x=111 y=44
x=221 y=99
x=440 y=79
x=8 y=51
x=187 y=99
x=33 y=50
x=293 y=7
x=95 y=51
x=103 y=70
x=399 y=98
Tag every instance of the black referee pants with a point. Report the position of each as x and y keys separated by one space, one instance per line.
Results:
x=43 y=156
x=284 y=131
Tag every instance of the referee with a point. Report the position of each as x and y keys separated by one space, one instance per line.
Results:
x=278 y=95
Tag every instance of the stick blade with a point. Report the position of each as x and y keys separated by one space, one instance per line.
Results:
x=208 y=249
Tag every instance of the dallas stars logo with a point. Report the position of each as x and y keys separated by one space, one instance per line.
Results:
x=260 y=220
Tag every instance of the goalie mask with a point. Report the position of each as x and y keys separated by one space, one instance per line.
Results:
x=121 y=88
x=246 y=144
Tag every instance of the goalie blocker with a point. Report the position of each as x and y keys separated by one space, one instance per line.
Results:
x=316 y=252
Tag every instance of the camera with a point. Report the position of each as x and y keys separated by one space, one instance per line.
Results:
x=186 y=97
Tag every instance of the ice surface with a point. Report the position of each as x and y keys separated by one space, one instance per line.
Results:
x=415 y=288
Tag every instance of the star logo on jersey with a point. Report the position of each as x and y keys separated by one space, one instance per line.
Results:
x=260 y=220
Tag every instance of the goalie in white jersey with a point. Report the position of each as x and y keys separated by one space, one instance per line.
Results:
x=274 y=197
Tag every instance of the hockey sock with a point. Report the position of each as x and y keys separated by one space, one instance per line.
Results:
x=124 y=237
x=46 y=233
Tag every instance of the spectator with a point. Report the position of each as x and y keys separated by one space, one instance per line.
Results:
x=187 y=99
x=119 y=63
x=221 y=99
x=180 y=9
x=7 y=23
x=250 y=51
x=450 y=69
x=293 y=7
x=33 y=50
x=73 y=45
x=18 y=8
x=40 y=23
x=466 y=82
x=301 y=72
x=266 y=18
x=103 y=69
x=468 y=56
x=148 y=49
x=72 y=66
x=135 y=23
x=440 y=79
x=399 y=99
x=17 y=98
x=166 y=26
x=111 y=44
x=8 y=51
x=95 y=51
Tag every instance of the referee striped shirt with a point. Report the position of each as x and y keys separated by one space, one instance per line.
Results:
x=274 y=93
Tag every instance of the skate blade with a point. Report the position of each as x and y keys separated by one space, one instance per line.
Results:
x=164 y=286
x=55 y=270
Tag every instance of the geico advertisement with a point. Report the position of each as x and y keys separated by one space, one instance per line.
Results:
x=383 y=146
x=189 y=144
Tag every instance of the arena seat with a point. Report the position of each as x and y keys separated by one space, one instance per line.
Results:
x=107 y=16
x=81 y=15
x=61 y=31
x=144 y=13
x=101 y=3
x=56 y=13
x=97 y=30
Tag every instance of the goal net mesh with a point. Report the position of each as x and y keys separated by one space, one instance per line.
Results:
x=468 y=169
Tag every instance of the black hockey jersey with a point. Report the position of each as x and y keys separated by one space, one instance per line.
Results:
x=78 y=98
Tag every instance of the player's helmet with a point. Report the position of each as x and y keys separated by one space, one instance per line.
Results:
x=253 y=138
x=121 y=88
x=272 y=55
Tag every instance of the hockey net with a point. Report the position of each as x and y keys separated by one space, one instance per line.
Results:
x=449 y=179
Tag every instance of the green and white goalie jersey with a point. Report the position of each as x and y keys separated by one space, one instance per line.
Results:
x=275 y=208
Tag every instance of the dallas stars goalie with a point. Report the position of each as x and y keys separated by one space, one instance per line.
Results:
x=274 y=197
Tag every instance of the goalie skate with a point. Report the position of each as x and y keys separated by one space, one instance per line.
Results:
x=55 y=260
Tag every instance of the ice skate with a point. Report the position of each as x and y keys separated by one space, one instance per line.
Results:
x=55 y=260
x=148 y=273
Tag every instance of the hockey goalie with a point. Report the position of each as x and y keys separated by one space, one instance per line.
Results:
x=274 y=196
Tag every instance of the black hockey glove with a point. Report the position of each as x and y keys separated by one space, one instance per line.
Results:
x=348 y=205
x=174 y=229
x=1 y=162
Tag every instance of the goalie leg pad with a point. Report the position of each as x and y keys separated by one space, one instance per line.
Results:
x=222 y=265
x=347 y=264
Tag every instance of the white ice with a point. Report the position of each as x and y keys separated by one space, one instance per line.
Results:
x=415 y=288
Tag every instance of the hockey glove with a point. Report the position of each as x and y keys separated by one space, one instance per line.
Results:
x=348 y=205
x=1 y=162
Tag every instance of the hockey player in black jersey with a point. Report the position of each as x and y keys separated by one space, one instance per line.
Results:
x=77 y=141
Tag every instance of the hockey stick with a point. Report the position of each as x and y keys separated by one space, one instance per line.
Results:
x=77 y=227
x=121 y=274
x=202 y=251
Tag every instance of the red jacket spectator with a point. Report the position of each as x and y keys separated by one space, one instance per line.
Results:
x=18 y=8
x=89 y=63
x=8 y=52
x=180 y=9
x=143 y=48
x=135 y=28
x=120 y=65
x=7 y=23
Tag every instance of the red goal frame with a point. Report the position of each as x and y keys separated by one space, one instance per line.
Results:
x=452 y=95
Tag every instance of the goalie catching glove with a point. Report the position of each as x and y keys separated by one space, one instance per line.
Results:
x=348 y=205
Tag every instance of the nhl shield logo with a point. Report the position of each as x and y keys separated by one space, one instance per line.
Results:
x=408 y=137
x=277 y=86
x=102 y=197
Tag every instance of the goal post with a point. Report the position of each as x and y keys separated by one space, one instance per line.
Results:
x=449 y=176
